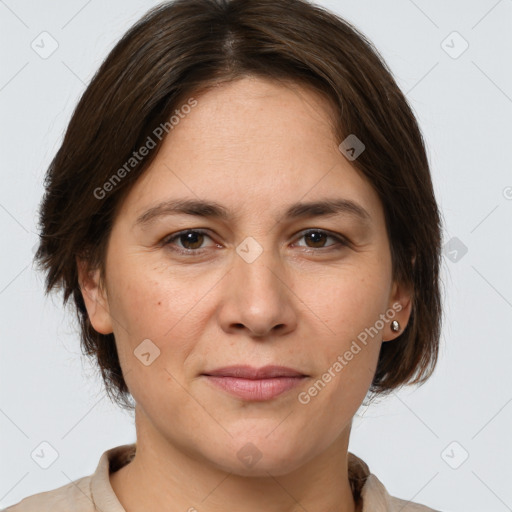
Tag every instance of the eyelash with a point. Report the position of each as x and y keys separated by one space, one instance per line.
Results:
x=167 y=242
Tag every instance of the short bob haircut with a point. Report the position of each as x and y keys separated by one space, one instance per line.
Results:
x=181 y=48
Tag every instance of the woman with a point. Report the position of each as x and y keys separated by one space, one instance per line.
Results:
x=243 y=213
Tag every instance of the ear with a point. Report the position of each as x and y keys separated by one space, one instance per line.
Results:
x=400 y=302
x=95 y=298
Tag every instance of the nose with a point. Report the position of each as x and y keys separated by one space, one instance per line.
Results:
x=257 y=298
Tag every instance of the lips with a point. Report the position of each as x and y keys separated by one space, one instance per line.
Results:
x=255 y=384
x=249 y=372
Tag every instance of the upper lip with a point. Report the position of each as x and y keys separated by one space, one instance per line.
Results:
x=250 y=372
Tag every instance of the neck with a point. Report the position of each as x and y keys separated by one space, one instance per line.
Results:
x=165 y=477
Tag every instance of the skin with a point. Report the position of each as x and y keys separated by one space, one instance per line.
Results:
x=255 y=146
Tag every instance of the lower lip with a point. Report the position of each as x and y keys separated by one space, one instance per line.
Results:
x=255 y=389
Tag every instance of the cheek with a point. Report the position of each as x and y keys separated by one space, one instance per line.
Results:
x=146 y=302
x=349 y=306
x=347 y=302
x=158 y=319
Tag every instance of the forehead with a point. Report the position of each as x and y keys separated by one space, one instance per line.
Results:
x=253 y=143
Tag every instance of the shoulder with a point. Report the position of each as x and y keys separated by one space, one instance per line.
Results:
x=372 y=492
x=375 y=493
x=87 y=494
x=74 y=496
x=409 y=506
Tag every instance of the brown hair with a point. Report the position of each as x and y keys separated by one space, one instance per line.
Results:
x=182 y=47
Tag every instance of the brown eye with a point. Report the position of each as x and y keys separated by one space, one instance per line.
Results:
x=190 y=240
x=316 y=239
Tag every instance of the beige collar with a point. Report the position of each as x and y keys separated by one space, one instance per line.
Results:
x=365 y=485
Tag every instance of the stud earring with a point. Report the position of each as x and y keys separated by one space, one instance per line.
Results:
x=395 y=326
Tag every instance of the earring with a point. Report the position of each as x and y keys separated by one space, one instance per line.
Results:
x=395 y=326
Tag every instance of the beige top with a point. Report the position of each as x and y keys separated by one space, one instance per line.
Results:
x=94 y=492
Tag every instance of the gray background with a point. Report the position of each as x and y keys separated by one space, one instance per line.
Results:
x=416 y=441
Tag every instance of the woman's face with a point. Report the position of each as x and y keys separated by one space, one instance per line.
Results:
x=258 y=285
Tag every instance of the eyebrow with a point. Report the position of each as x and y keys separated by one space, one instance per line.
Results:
x=212 y=209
